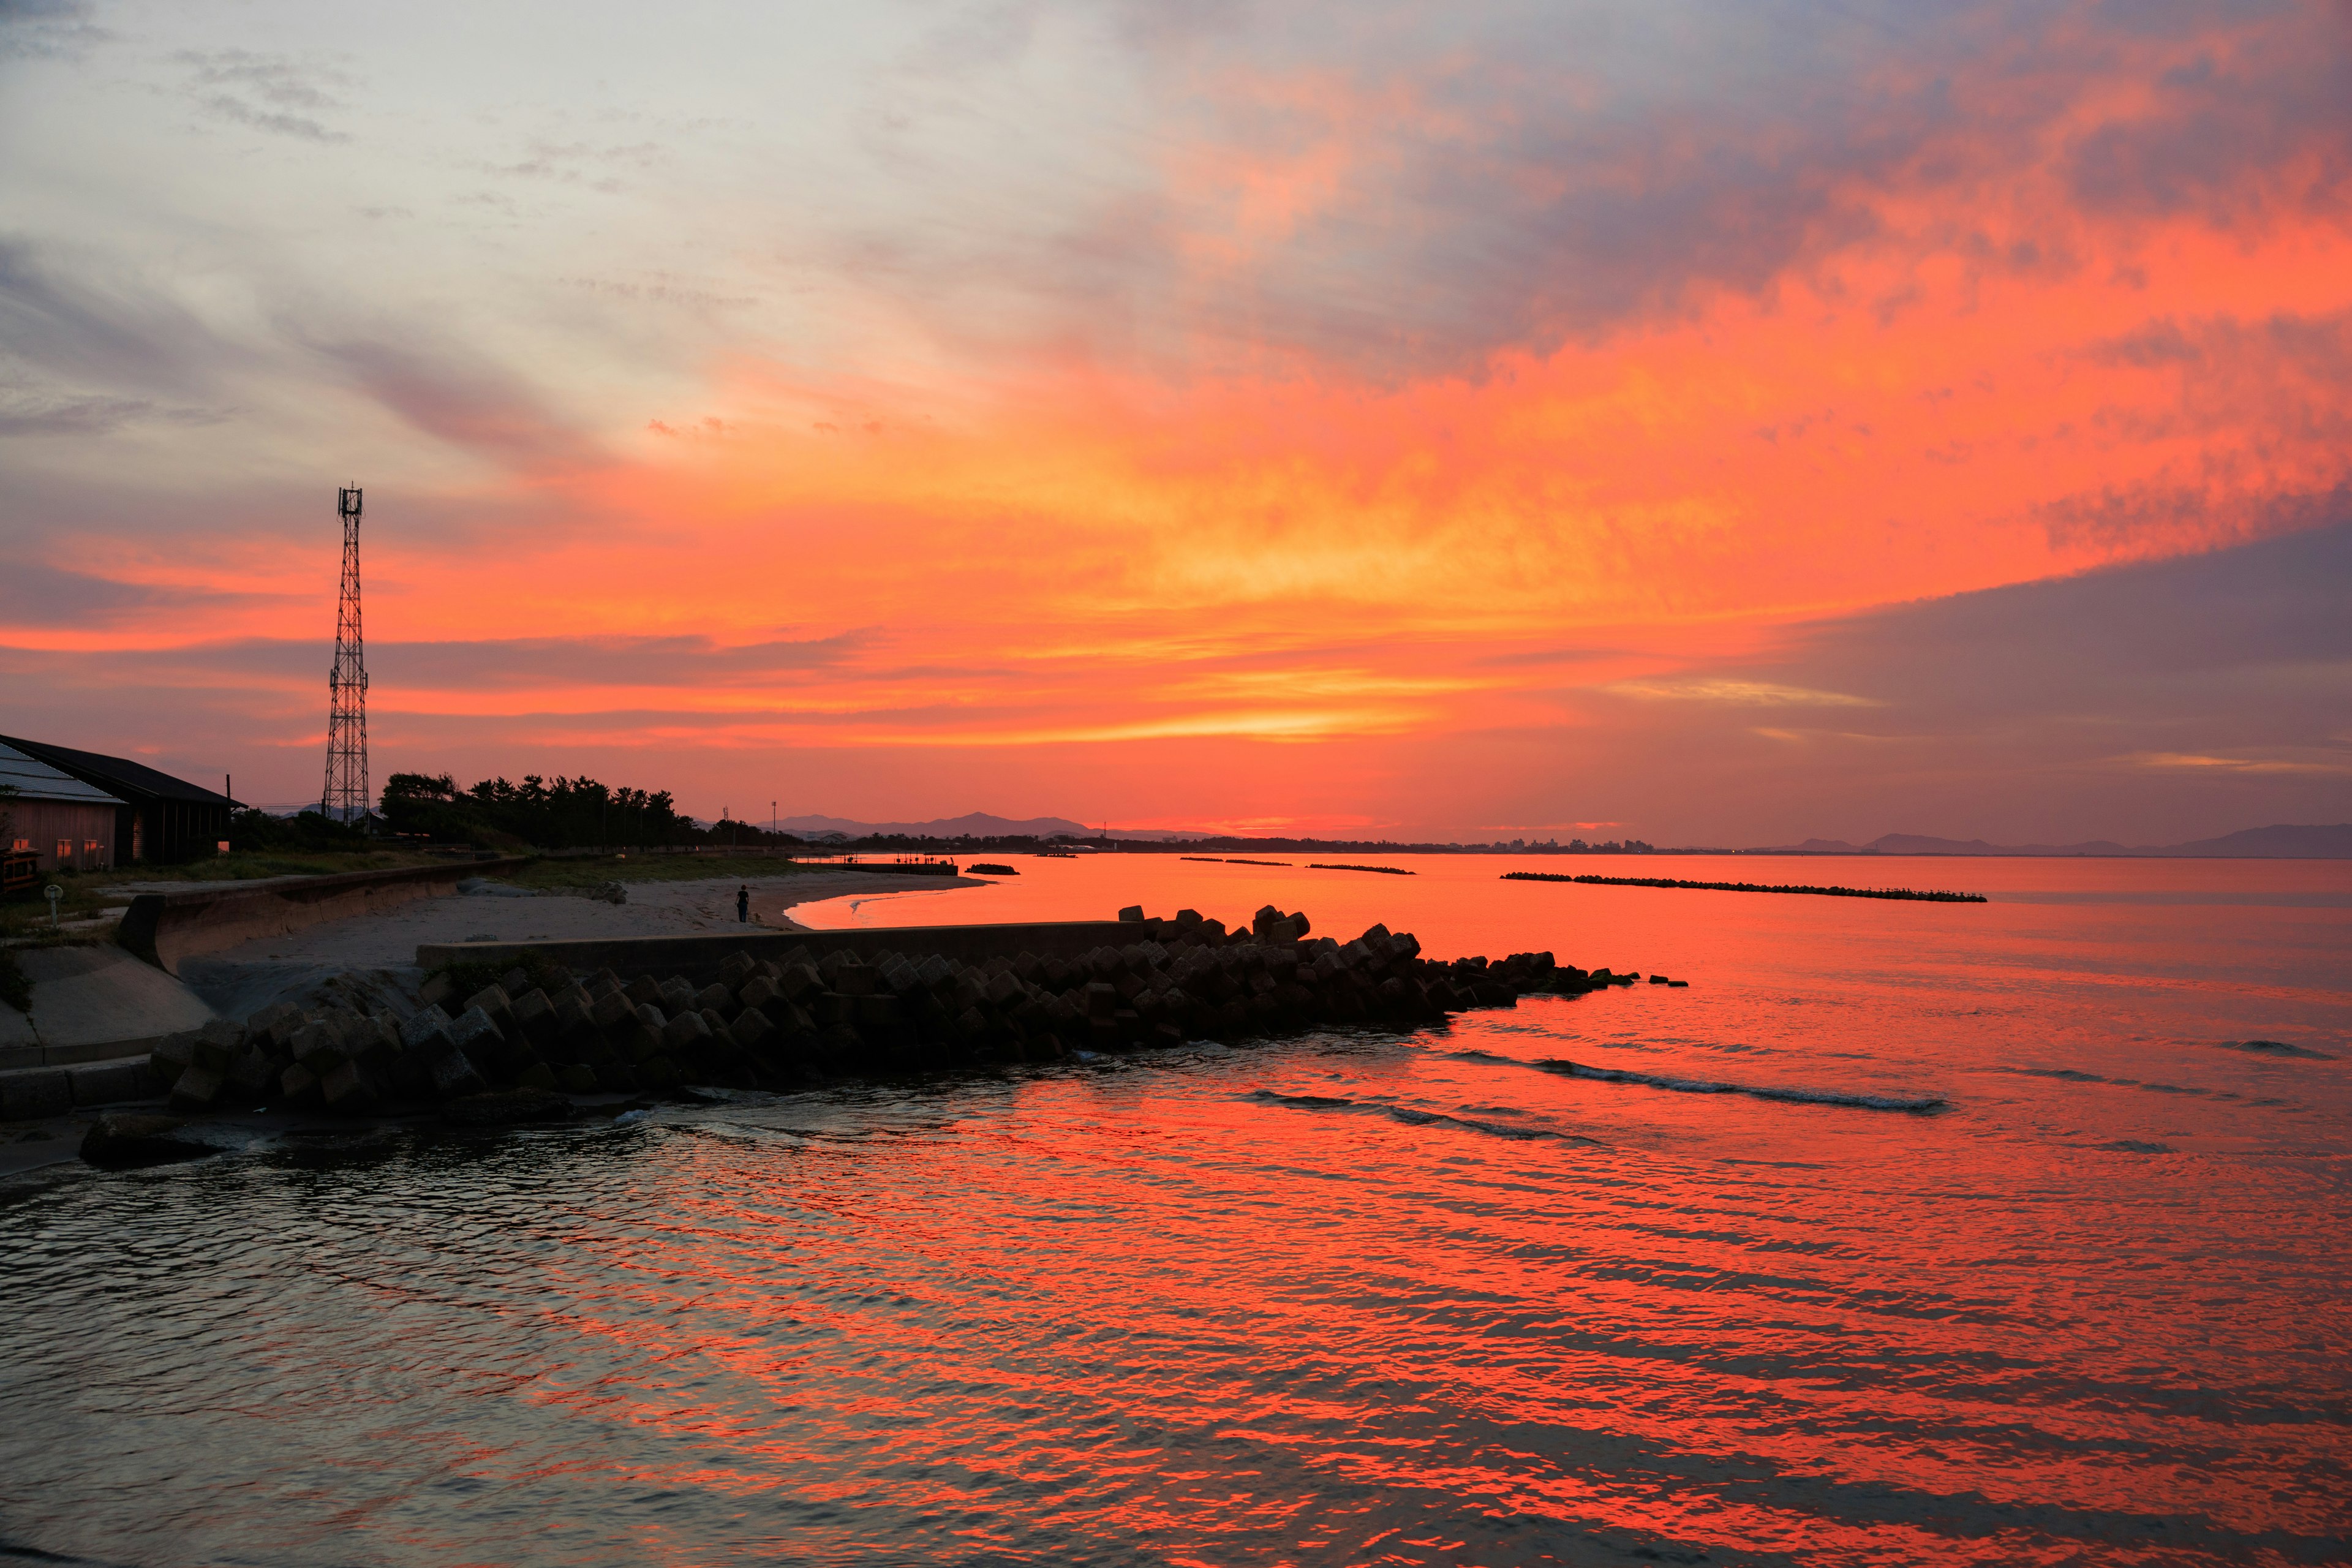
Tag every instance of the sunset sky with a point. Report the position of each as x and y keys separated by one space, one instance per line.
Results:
x=1712 y=424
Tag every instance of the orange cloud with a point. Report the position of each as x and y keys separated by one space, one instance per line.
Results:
x=1383 y=465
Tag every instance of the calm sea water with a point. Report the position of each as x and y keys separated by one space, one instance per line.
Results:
x=1359 y=1298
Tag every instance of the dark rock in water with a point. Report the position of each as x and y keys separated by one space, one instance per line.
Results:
x=2276 y=1048
x=508 y=1108
x=346 y=1092
x=683 y=1032
x=196 y=1089
x=454 y=1077
x=121 y=1140
x=427 y=1035
x=411 y=1078
x=173 y=1055
x=493 y=1002
x=475 y=1033
x=299 y=1086
x=317 y=1046
x=612 y=1009
x=535 y=1018
x=250 y=1074
x=216 y=1043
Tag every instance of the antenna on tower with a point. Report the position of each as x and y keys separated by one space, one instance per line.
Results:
x=346 y=797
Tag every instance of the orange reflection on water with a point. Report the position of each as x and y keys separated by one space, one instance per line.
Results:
x=1358 y=1297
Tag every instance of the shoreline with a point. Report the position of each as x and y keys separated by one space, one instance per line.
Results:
x=546 y=1044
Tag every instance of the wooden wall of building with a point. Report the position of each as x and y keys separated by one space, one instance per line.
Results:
x=85 y=831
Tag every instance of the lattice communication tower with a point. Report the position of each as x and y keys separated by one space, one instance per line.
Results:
x=346 y=797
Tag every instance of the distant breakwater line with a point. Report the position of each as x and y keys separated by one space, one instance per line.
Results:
x=1383 y=870
x=1913 y=895
x=1233 y=860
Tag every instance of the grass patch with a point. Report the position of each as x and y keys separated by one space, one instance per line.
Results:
x=250 y=866
x=15 y=985
x=90 y=892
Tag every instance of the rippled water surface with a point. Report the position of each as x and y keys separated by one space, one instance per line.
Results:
x=1360 y=1297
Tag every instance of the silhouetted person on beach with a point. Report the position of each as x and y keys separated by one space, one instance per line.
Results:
x=744 y=903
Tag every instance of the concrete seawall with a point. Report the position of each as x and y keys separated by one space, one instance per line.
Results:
x=701 y=954
x=166 y=929
x=91 y=1004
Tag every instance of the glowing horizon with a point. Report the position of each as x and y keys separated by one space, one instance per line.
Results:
x=1420 y=423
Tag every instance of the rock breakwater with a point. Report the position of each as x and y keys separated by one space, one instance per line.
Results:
x=516 y=1048
x=1915 y=895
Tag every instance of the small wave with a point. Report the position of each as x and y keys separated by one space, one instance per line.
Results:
x=1412 y=1117
x=2276 y=1048
x=2070 y=1075
x=2135 y=1146
x=1759 y=1092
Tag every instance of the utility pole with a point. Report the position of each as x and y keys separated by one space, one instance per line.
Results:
x=346 y=798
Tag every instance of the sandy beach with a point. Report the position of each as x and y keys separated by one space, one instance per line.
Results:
x=377 y=953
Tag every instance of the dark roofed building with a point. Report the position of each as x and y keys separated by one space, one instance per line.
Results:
x=55 y=822
x=159 y=818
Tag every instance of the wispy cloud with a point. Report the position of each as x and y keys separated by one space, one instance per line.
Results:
x=47 y=29
x=2195 y=763
x=276 y=93
x=1745 y=693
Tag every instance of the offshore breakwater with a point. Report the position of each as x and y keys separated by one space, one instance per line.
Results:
x=536 y=1041
x=1907 y=894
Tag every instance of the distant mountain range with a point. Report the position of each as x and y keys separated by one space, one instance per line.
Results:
x=2280 y=842
x=976 y=825
x=2283 y=842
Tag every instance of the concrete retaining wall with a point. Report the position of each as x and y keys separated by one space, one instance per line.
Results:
x=93 y=1002
x=166 y=929
x=702 y=953
x=29 y=1094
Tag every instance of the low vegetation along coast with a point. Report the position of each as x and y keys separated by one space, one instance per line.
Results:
x=542 y=1042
